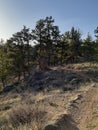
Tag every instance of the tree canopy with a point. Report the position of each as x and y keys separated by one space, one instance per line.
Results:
x=17 y=55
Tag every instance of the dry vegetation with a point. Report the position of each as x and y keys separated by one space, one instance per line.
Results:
x=55 y=109
x=23 y=115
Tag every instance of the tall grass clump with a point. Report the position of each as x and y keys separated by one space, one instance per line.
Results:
x=26 y=117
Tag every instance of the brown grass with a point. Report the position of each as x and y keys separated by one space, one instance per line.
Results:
x=26 y=117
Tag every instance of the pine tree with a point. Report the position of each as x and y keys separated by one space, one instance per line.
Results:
x=5 y=64
x=47 y=36
x=73 y=38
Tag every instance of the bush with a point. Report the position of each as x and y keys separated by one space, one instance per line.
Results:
x=27 y=115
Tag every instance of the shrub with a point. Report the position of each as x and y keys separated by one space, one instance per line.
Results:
x=27 y=115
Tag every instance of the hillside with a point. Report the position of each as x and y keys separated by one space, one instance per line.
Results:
x=61 y=98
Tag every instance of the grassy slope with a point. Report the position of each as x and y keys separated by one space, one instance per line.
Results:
x=54 y=103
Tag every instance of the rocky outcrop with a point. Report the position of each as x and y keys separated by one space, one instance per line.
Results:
x=59 y=78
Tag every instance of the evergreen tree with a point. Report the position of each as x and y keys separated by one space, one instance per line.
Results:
x=5 y=64
x=63 y=48
x=96 y=44
x=47 y=35
x=96 y=32
x=88 y=48
x=19 y=51
x=26 y=39
x=73 y=38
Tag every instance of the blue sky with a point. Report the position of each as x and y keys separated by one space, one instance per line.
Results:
x=81 y=14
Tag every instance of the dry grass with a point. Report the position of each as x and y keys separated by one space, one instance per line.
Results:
x=25 y=117
x=26 y=111
x=86 y=65
x=6 y=104
x=10 y=101
x=39 y=96
x=19 y=112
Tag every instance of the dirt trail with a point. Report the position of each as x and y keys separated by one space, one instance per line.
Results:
x=82 y=109
x=77 y=110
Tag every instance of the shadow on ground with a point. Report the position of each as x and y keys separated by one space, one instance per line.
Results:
x=64 y=123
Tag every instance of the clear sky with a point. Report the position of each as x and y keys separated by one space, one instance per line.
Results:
x=81 y=14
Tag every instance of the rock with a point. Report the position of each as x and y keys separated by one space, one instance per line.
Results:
x=56 y=78
x=69 y=77
x=75 y=81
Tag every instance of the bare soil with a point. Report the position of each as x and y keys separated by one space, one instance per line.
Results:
x=83 y=108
